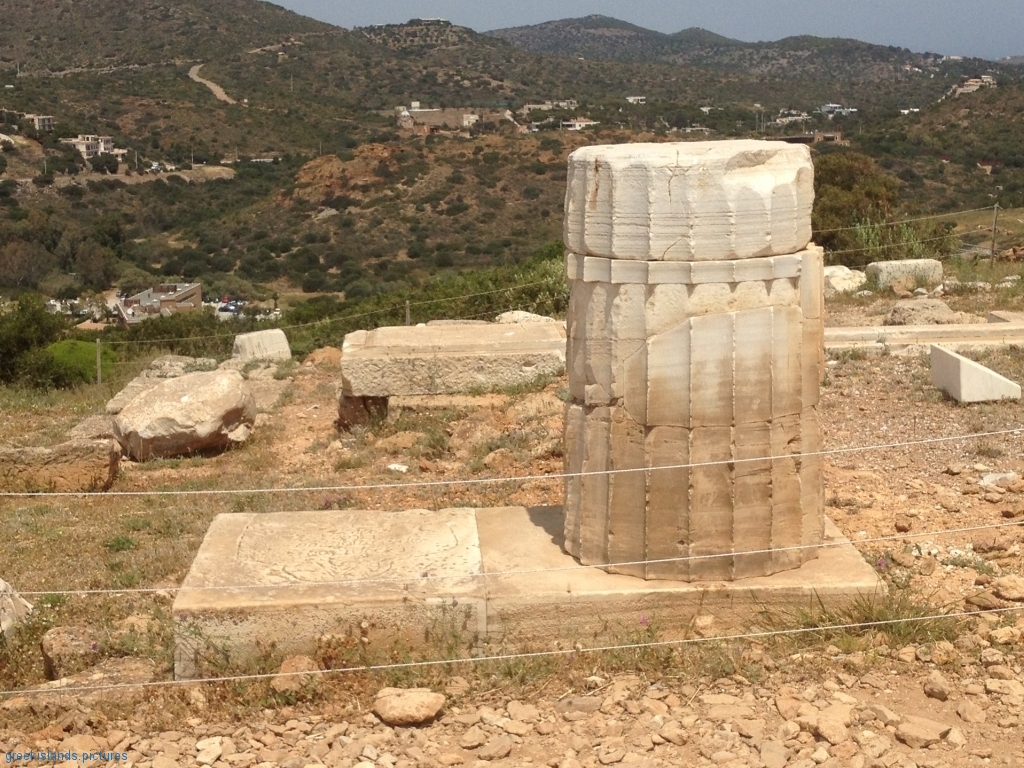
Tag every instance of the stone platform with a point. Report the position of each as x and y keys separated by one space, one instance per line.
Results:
x=497 y=575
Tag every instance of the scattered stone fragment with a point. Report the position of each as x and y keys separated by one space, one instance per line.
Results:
x=920 y=732
x=496 y=749
x=904 y=559
x=907 y=654
x=903 y=524
x=579 y=704
x=986 y=601
x=473 y=738
x=526 y=713
x=999 y=672
x=68 y=650
x=774 y=754
x=112 y=680
x=192 y=413
x=970 y=712
x=407 y=706
x=1004 y=636
x=290 y=677
x=885 y=715
x=1004 y=687
x=1009 y=588
x=457 y=686
x=673 y=733
x=955 y=738
x=937 y=687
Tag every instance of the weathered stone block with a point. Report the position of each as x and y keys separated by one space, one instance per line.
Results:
x=885 y=273
x=271 y=344
x=77 y=465
x=192 y=413
x=449 y=359
x=693 y=201
x=840 y=279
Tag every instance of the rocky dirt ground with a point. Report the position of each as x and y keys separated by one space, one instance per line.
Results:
x=939 y=520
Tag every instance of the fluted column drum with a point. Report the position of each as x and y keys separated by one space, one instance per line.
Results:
x=695 y=352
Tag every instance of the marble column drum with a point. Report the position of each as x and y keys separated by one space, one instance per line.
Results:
x=695 y=343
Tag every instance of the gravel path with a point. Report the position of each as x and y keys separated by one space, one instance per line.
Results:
x=217 y=90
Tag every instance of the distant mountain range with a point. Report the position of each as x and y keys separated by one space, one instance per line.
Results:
x=605 y=38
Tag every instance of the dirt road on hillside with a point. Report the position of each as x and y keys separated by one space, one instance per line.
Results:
x=217 y=90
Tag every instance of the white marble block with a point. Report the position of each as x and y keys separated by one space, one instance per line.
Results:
x=693 y=368
x=967 y=381
x=691 y=201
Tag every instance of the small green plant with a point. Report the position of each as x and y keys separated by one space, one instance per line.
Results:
x=979 y=564
x=53 y=601
x=346 y=463
x=120 y=544
x=286 y=369
x=904 y=620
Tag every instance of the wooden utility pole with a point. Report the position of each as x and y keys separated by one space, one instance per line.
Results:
x=995 y=220
x=408 y=317
x=99 y=364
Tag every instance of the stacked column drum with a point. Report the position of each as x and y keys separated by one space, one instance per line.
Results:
x=695 y=342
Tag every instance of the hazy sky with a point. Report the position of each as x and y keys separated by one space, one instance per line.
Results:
x=986 y=28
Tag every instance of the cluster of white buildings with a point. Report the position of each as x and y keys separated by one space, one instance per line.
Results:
x=831 y=110
x=973 y=84
x=424 y=120
x=41 y=123
x=89 y=146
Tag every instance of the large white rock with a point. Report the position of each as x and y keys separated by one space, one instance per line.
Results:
x=271 y=344
x=690 y=201
x=13 y=608
x=840 y=279
x=195 y=412
x=164 y=367
x=967 y=381
x=885 y=273
x=519 y=316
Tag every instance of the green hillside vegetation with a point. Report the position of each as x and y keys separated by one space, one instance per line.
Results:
x=63 y=34
x=604 y=38
x=352 y=208
x=962 y=153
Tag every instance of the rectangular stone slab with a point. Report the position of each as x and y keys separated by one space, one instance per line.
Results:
x=912 y=338
x=449 y=359
x=291 y=577
x=361 y=574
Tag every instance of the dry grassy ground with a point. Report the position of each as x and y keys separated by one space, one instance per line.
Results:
x=118 y=542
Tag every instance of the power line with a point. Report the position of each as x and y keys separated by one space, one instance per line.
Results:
x=902 y=221
x=518 y=572
x=759 y=635
x=521 y=478
x=889 y=245
x=337 y=318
